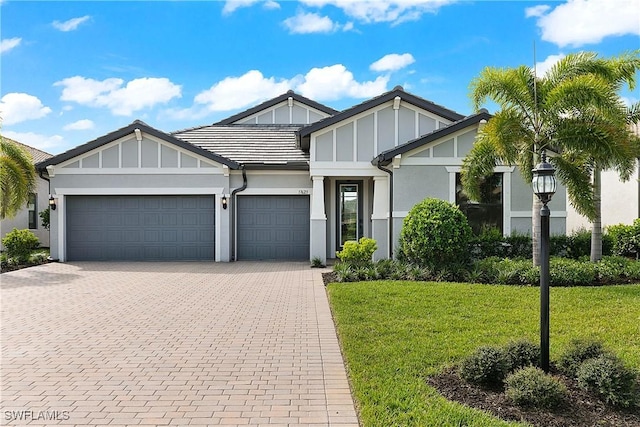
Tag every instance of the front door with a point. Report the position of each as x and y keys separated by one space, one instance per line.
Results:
x=349 y=211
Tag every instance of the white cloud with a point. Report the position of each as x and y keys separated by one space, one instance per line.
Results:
x=393 y=62
x=335 y=82
x=122 y=100
x=580 y=22
x=231 y=6
x=395 y=11
x=322 y=84
x=307 y=23
x=536 y=11
x=48 y=143
x=71 y=24
x=238 y=92
x=80 y=125
x=547 y=64
x=7 y=44
x=20 y=107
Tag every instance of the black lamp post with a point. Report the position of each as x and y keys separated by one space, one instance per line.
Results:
x=544 y=186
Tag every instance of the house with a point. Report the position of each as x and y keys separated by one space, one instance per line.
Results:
x=620 y=200
x=29 y=218
x=287 y=179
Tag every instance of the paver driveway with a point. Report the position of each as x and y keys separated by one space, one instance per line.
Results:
x=170 y=344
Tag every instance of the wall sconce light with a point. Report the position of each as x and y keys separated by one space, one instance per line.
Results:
x=52 y=203
x=224 y=202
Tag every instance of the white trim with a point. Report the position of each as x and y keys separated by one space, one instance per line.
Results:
x=276 y=172
x=527 y=214
x=218 y=214
x=62 y=231
x=496 y=169
x=299 y=191
x=506 y=204
x=120 y=191
x=140 y=171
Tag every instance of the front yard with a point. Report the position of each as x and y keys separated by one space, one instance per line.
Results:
x=395 y=334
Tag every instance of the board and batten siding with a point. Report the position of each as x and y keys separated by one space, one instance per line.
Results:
x=364 y=136
x=289 y=112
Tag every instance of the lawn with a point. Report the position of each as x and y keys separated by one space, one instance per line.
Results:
x=395 y=334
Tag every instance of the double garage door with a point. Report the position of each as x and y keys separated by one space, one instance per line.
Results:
x=157 y=228
x=140 y=228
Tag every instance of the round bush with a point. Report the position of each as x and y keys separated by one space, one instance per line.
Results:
x=486 y=366
x=435 y=234
x=576 y=353
x=610 y=379
x=19 y=244
x=530 y=386
x=522 y=354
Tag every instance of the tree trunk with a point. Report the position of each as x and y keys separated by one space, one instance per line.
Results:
x=536 y=205
x=596 y=230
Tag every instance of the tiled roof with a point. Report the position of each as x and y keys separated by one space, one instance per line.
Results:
x=38 y=155
x=249 y=144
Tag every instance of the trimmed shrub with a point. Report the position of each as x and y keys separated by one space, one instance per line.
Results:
x=568 y=272
x=519 y=246
x=19 y=244
x=521 y=354
x=488 y=243
x=576 y=353
x=487 y=366
x=607 y=376
x=435 y=234
x=530 y=386
x=626 y=239
x=358 y=253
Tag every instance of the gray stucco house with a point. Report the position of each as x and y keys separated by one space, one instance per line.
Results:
x=287 y=179
x=29 y=217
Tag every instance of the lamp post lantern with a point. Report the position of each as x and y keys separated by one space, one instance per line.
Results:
x=544 y=186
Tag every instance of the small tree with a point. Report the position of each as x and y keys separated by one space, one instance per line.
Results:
x=435 y=234
x=45 y=217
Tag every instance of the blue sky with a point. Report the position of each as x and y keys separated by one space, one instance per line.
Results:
x=74 y=71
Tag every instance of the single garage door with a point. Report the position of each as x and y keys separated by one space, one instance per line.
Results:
x=273 y=227
x=140 y=228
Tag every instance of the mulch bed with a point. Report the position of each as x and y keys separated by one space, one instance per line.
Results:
x=581 y=410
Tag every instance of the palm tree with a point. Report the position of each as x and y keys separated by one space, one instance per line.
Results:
x=573 y=110
x=17 y=178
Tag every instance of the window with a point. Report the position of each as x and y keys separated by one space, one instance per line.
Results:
x=487 y=212
x=32 y=207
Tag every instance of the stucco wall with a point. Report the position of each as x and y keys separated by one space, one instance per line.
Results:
x=21 y=220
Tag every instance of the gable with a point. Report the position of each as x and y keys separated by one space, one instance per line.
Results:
x=136 y=146
x=287 y=109
x=131 y=154
x=361 y=137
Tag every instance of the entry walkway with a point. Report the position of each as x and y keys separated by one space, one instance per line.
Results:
x=170 y=344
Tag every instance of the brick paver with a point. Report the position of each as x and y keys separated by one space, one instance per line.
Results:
x=170 y=344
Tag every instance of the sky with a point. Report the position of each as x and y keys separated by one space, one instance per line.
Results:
x=74 y=71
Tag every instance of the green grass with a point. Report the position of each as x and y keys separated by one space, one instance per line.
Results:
x=395 y=334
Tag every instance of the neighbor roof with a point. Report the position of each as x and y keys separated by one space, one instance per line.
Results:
x=251 y=145
x=37 y=155
x=386 y=157
x=127 y=130
x=275 y=101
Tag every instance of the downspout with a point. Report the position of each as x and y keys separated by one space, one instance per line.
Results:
x=233 y=212
x=390 y=172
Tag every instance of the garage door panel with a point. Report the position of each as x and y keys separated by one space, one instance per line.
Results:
x=273 y=227
x=140 y=227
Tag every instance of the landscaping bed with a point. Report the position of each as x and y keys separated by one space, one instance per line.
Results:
x=581 y=409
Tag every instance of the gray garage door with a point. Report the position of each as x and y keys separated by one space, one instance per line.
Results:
x=140 y=228
x=273 y=227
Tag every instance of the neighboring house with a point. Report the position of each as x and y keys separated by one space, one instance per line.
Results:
x=29 y=217
x=620 y=200
x=287 y=179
